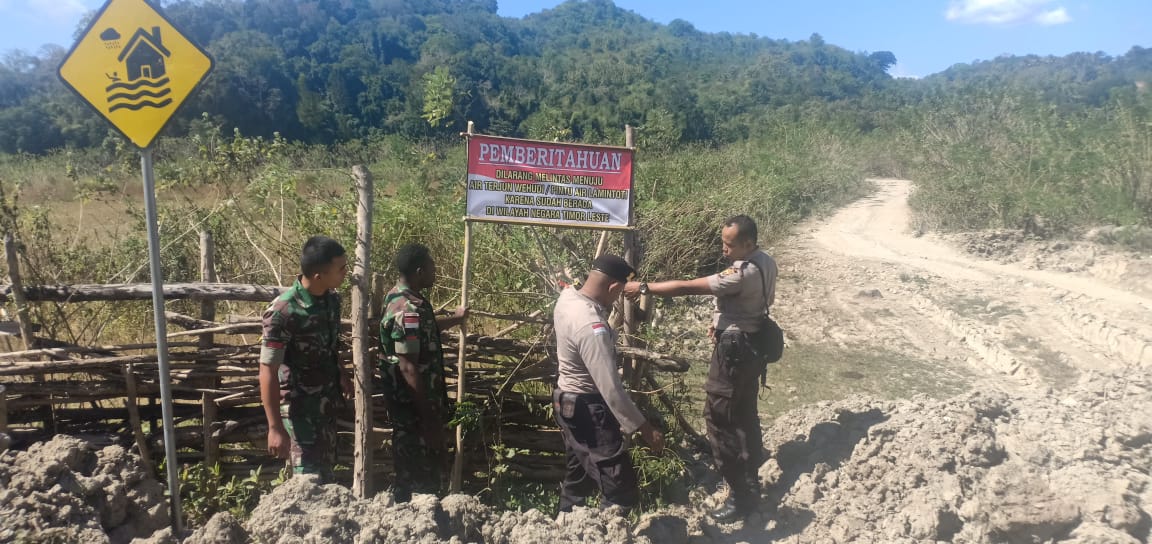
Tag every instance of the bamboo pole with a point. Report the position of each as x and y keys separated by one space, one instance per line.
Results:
x=206 y=342
x=685 y=425
x=188 y=322
x=88 y=350
x=17 y=291
x=509 y=329
x=379 y=289
x=361 y=280
x=134 y=418
x=239 y=328
x=461 y=364
x=23 y=368
x=631 y=255
x=143 y=291
x=534 y=317
x=465 y=275
x=3 y=412
x=23 y=320
x=602 y=244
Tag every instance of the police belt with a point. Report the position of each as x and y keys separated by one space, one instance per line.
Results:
x=719 y=332
x=586 y=397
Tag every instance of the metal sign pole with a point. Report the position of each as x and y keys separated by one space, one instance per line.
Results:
x=161 y=337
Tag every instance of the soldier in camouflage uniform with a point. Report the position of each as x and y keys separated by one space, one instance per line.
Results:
x=412 y=369
x=300 y=375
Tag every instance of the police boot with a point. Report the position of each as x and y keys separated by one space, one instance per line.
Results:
x=740 y=503
x=728 y=512
x=753 y=483
x=733 y=509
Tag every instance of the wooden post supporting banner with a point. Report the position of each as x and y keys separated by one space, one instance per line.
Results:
x=457 y=481
x=632 y=257
x=205 y=342
x=361 y=293
x=458 y=462
x=639 y=369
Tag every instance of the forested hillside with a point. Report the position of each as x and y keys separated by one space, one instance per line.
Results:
x=992 y=143
x=329 y=70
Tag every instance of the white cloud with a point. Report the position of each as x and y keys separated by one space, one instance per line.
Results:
x=1007 y=12
x=1057 y=16
x=57 y=9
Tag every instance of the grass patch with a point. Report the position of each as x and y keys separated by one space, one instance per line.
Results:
x=808 y=374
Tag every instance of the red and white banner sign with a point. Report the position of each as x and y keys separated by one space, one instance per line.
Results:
x=524 y=181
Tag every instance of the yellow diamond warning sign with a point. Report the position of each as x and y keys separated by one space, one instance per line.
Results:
x=135 y=68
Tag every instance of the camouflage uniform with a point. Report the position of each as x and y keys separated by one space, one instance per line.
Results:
x=409 y=328
x=301 y=334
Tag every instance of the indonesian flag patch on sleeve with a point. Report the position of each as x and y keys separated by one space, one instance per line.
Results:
x=411 y=320
x=599 y=329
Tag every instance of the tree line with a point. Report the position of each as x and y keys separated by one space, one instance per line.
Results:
x=991 y=143
x=323 y=71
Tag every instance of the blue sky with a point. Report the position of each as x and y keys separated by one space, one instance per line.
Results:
x=927 y=36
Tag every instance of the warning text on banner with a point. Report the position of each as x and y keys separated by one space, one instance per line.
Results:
x=522 y=181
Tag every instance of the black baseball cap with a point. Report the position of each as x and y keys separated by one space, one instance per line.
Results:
x=614 y=267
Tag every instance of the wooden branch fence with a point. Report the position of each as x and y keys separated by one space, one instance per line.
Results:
x=110 y=393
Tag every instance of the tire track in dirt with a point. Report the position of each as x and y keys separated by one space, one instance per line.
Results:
x=921 y=295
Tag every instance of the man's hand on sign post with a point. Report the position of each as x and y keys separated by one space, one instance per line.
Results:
x=632 y=291
x=457 y=318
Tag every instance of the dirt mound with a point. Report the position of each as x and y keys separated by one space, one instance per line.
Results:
x=976 y=468
x=64 y=491
x=303 y=511
x=981 y=467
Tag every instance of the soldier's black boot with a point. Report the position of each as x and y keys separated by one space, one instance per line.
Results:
x=727 y=511
x=740 y=503
x=732 y=510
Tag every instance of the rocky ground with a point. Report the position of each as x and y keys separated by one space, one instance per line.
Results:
x=64 y=490
x=1008 y=399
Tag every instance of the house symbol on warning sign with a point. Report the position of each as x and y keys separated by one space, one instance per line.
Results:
x=145 y=84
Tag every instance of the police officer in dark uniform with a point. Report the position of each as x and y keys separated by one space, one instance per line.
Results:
x=744 y=293
x=590 y=403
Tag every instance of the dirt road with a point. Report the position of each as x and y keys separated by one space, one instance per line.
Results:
x=864 y=278
x=1048 y=439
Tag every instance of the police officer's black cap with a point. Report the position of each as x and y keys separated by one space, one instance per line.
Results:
x=614 y=267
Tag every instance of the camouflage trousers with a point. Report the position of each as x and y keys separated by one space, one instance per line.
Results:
x=311 y=423
x=417 y=466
